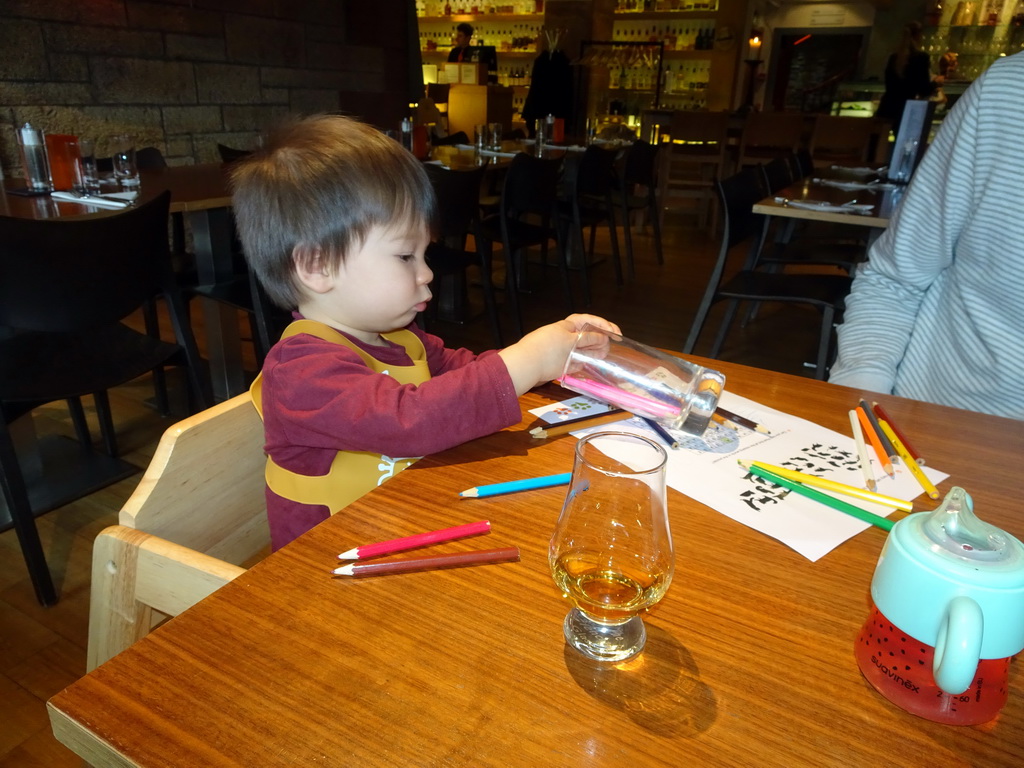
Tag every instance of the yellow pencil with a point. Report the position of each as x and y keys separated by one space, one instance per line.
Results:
x=832 y=485
x=912 y=465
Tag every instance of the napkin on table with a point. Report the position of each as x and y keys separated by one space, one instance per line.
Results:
x=110 y=200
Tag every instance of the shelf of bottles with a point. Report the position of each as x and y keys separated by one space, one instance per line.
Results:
x=686 y=68
x=627 y=75
x=666 y=7
x=973 y=35
x=513 y=29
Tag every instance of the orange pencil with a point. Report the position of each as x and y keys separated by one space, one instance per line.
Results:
x=876 y=443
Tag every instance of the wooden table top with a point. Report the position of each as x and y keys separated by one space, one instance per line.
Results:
x=807 y=190
x=749 y=659
x=193 y=188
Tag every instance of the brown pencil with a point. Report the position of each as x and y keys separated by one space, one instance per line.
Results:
x=430 y=563
x=565 y=427
x=735 y=419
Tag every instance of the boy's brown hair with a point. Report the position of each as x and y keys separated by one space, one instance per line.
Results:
x=316 y=189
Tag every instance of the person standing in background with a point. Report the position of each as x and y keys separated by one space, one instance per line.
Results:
x=463 y=37
x=907 y=76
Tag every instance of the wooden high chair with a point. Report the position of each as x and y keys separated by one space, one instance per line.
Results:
x=199 y=515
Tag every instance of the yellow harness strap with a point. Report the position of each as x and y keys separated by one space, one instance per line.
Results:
x=352 y=473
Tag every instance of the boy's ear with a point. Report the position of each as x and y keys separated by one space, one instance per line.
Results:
x=311 y=268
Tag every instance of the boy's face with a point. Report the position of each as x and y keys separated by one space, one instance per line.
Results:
x=379 y=287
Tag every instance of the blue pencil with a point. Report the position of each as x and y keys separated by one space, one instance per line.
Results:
x=517 y=485
x=670 y=441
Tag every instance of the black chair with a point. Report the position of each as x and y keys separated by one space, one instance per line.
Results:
x=801 y=163
x=230 y=154
x=793 y=244
x=826 y=293
x=777 y=174
x=527 y=217
x=587 y=201
x=242 y=290
x=65 y=285
x=638 y=191
x=458 y=199
x=459 y=137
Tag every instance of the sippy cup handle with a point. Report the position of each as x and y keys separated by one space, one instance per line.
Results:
x=958 y=646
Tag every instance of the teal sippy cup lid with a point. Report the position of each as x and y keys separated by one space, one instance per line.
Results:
x=930 y=558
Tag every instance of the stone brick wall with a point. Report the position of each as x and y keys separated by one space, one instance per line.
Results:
x=185 y=75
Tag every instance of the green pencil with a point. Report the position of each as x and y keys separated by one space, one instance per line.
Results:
x=862 y=514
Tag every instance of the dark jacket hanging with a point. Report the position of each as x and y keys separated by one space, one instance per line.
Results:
x=550 y=89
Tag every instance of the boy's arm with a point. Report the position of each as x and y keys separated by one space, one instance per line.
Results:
x=321 y=395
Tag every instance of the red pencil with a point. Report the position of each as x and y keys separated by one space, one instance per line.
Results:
x=880 y=412
x=454 y=560
x=418 y=540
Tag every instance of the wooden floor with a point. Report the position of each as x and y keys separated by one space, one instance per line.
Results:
x=43 y=649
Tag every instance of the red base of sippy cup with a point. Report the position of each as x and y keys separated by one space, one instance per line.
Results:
x=900 y=668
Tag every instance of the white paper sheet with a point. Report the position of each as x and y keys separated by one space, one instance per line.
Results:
x=706 y=469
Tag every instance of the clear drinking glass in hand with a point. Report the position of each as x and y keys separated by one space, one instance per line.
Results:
x=611 y=552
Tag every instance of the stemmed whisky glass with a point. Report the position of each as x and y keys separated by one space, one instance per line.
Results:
x=611 y=552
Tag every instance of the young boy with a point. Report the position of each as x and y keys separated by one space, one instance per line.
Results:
x=335 y=218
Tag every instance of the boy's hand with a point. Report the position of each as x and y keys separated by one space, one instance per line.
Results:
x=540 y=355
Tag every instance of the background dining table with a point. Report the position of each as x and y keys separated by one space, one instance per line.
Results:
x=749 y=658
x=201 y=194
x=807 y=192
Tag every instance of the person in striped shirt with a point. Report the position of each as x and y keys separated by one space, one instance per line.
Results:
x=937 y=311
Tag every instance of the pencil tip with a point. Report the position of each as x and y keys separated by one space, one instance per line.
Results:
x=351 y=554
x=470 y=493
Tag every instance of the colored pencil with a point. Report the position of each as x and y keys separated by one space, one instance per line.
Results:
x=837 y=504
x=876 y=443
x=512 y=486
x=621 y=397
x=742 y=421
x=832 y=485
x=433 y=562
x=912 y=465
x=881 y=413
x=670 y=441
x=862 y=452
x=722 y=421
x=416 y=540
x=565 y=427
x=887 y=446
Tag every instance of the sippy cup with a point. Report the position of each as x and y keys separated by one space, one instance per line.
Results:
x=947 y=614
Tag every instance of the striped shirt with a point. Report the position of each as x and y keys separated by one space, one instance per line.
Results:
x=937 y=312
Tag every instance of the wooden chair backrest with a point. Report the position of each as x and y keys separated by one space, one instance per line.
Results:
x=770 y=134
x=847 y=138
x=138 y=578
x=704 y=134
x=205 y=488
